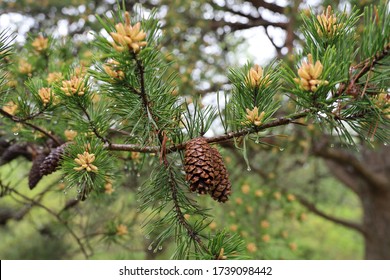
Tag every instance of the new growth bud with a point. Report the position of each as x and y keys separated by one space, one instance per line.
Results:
x=256 y=76
x=128 y=37
x=54 y=77
x=73 y=86
x=253 y=117
x=327 y=23
x=45 y=94
x=121 y=230
x=382 y=101
x=309 y=74
x=111 y=68
x=40 y=44
x=25 y=67
x=108 y=189
x=10 y=108
x=70 y=134
x=85 y=161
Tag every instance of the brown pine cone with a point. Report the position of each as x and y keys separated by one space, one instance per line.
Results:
x=205 y=170
x=35 y=175
x=51 y=162
x=198 y=165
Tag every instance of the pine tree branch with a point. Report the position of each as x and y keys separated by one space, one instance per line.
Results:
x=253 y=21
x=23 y=121
x=132 y=148
x=179 y=214
x=230 y=9
x=216 y=139
x=277 y=48
x=161 y=149
x=69 y=204
x=93 y=126
x=369 y=63
x=143 y=93
x=63 y=222
x=313 y=208
x=346 y=176
x=366 y=66
x=269 y=6
x=215 y=24
x=19 y=215
x=133 y=90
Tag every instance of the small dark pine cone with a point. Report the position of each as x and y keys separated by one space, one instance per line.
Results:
x=51 y=162
x=222 y=187
x=35 y=175
x=198 y=165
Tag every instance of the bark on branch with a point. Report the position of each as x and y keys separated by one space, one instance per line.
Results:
x=269 y=6
x=214 y=24
x=216 y=139
x=347 y=177
x=313 y=208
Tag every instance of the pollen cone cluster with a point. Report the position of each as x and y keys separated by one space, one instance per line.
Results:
x=309 y=75
x=205 y=170
x=328 y=23
x=128 y=37
x=256 y=76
